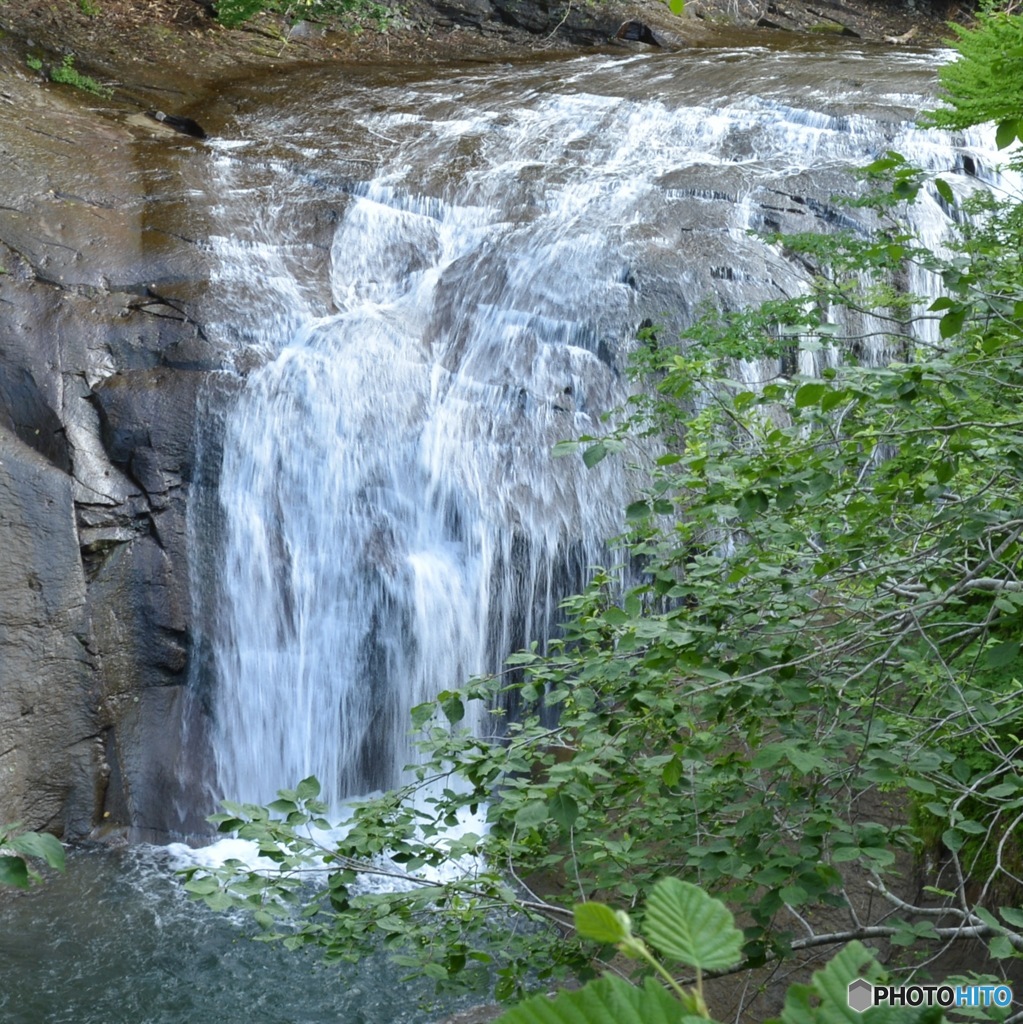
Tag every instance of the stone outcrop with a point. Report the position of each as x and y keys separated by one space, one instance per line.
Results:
x=100 y=368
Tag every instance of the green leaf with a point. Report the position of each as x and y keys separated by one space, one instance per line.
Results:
x=768 y=756
x=952 y=323
x=953 y=840
x=905 y=188
x=202 y=886
x=785 y=497
x=594 y=454
x=563 y=809
x=685 y=923
x=945 y=191
x=637 y=512
x=41 y=845
x=608 y=1000
x=752 y=503
x=1003 y=654
x=532 y=814
x=452 y=706
x=810 y=394
x=421 y=714
x=1007 y=132
x=793 y=895
x=890 y=160
x=599 y=922
x=671 y=774
x=987 y=917
x=308 y=788
x=833 y=399
x=826 y=999
x=676 y=6
x=1013 y=915
x=13 y=871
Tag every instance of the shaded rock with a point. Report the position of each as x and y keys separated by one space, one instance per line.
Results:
x=476 y=1015
x=101 y=358
x=47 y=670
x=637 y=32
x=148 y=424
x=155 y=766
x=185 y=125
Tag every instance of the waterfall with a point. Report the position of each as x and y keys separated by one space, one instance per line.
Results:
x=426 y=329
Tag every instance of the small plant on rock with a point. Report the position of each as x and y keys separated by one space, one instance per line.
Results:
x=66 y=73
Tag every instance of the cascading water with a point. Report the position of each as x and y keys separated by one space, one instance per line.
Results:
x=393 y=525
x=393 y=520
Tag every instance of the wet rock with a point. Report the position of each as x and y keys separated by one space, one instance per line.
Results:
x=147 y=419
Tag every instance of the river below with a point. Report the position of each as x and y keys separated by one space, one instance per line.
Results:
x=116 y=940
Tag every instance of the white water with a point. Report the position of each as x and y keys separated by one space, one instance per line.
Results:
x=393 y=520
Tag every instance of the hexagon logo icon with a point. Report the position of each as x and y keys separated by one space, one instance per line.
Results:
x=861 y=995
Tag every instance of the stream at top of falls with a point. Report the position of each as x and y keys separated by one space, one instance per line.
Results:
x=426 y=278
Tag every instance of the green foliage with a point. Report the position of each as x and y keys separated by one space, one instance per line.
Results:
x=825 y=999
x=825 y=635
x=688 y=926
x=690 y=920
x=233 y=13
x=986 y=82
x=18 y=850
x=34 y=63
x=65 y=73
x=683 y=924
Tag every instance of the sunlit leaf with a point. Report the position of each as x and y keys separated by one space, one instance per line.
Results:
x=686 y=924
x=599 y=922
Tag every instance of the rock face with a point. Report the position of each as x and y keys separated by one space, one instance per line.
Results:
x=99 y=376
